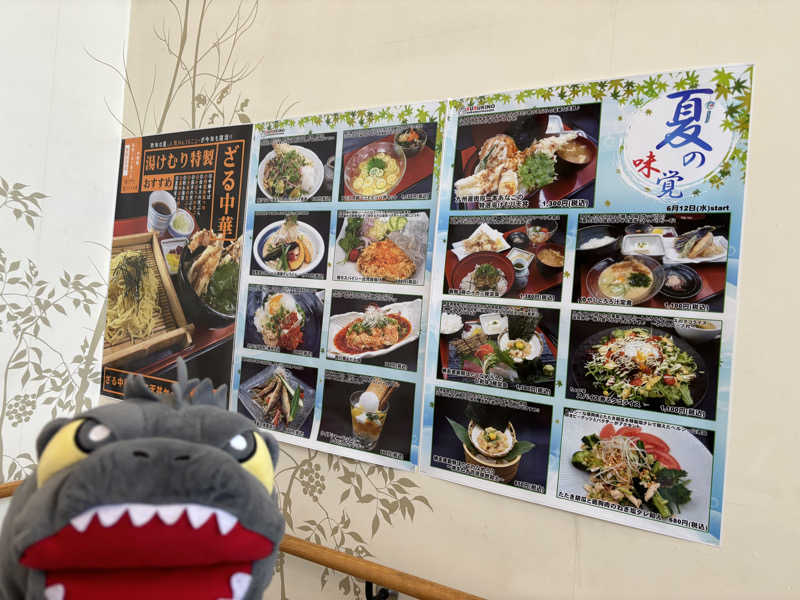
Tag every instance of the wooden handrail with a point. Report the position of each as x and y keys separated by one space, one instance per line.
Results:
x=359 y=568
x=370 y=571
x=7 y=489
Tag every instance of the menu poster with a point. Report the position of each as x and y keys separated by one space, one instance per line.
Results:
x=583 y=296
x=176 y=253
x=336 y=257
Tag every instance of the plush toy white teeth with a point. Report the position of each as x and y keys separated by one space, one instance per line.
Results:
x=141 y=513
x=168 y=514
x=110 y=514
x=240 y=582
x=198 y=515
x=54 y=592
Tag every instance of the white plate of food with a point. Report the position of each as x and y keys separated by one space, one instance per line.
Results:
x=304 y=244
x=483 y=239
x=375 y=332
x=697 y=246
x=294 y=169
x=387 y=247
x=689 y=452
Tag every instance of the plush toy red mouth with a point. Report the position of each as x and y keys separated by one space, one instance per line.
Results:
x=135 y=551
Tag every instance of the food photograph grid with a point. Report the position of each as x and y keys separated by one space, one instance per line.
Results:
x=615 y=226
x=329 y=350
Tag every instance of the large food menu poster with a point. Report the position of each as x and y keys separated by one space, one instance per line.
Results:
x=583 y=296
x=173 y=279
x=532 y=293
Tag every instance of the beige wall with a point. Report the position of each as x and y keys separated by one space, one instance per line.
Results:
x=329 y=55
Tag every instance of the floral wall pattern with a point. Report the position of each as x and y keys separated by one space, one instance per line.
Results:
x=56 y=177
x=43 y=375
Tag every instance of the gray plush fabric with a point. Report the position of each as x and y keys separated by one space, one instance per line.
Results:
x=191 y=423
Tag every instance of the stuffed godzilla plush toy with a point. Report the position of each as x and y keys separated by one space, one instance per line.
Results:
x=149 y=498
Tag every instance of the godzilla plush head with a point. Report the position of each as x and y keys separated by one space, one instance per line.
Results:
x=146 y=498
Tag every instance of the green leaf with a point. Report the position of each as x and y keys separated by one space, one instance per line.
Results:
x=355 y=536
x=520 y=448
x=376 y=523
x=423 y=500
x=461 y=434
x=295 y=402
x=344 y=585
x=406 y=482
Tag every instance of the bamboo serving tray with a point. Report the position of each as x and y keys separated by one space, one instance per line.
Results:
x=170 y=326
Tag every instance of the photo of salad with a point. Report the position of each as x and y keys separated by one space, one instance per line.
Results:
x=381 y=246
x=642 y=365
x=638 y=365
x=660 y=471
x=623 y=471
x=296 y=169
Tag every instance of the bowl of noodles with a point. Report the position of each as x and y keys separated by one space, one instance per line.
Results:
x=375 y=170
x=632 y=280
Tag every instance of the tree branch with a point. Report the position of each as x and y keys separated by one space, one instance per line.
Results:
x=168 y=99
x=194 y=66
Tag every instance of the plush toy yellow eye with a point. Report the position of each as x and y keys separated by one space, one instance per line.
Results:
x=73 y=442
x=255 y=457
x=61 y=451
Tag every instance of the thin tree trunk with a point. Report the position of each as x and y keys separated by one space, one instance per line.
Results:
x=168 y=99
x=194 y=65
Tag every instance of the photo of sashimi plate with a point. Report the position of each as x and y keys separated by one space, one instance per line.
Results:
x=288 y=247
x=374 y=332
x=664 y=471
x=290 y=173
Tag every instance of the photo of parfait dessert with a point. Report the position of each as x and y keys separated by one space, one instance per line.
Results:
x=368 y=410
